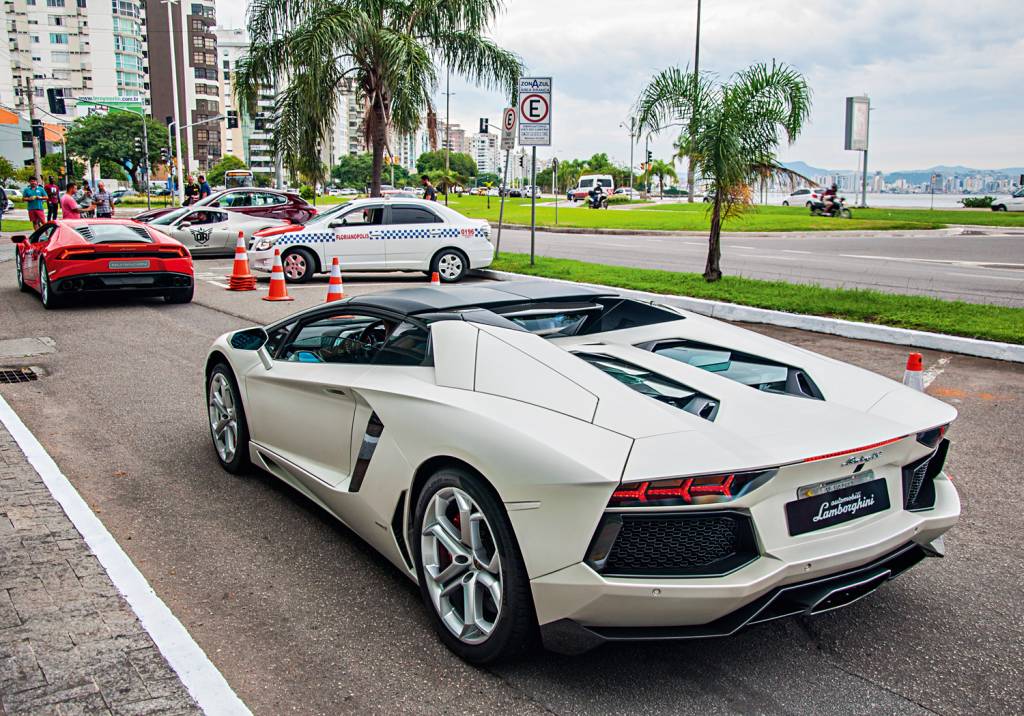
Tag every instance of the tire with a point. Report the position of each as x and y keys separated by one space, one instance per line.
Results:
x=222 y=380
x=845 y=214
x=451 y=265
x=785 y=203
x=999 y=207
x=299 y=265
x=45 y=290
x=180 y=295
x=19 y=275
x=502 y=631
x=808 y=205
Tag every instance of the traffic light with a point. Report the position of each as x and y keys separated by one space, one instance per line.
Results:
x=55 y=98
x=232 y=119
x=37 y=132
x=522 y=161
x=165 y=155
x=650 y=157
x=138 y=145
x=483 y=125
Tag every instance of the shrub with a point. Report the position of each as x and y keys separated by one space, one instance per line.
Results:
x=978 y=202
x=306 y=192
x=618 y=199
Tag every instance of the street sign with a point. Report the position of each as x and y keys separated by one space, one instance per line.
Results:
x=535 y=111
x=508 y=128
x=857 y=109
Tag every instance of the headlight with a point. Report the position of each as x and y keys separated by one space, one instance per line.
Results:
x=263 y=244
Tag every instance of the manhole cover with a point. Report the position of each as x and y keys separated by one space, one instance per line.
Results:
x=17 y=375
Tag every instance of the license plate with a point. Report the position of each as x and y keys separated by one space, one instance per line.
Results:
x=129 y=264
x=836 y=506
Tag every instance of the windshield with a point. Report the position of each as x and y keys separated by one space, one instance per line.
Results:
x=170 y=218
x=326 y=216
x=766 y=376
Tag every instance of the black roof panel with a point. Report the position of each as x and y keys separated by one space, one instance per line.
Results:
x=445 y=298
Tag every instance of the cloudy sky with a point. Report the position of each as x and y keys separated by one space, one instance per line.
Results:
x=944 y=77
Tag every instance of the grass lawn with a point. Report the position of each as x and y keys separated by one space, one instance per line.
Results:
x=920 y=218
x=683 y=217
x=995 y=323
x=15 y=225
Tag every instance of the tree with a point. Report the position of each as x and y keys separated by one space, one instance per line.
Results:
x=662 y=170
x=216 y=174
x=391 y=48
x=446 y=180
x=459 y=162
x=112 y=137
x=7 y=170
x=733 y=131
x=354 y=171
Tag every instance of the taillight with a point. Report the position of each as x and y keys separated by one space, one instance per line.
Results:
x=179 y=251
x=72 y=254
x=931 y=438
x=702 y=490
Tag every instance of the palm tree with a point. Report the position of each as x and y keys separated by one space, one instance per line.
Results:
x=390 y=48
x=733 y=131
x=662 y=170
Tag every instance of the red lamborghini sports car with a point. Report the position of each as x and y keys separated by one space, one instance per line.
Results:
x=66 y=259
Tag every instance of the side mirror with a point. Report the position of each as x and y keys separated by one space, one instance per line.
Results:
x=250 y=339
x=184 y=224
x=338 y=224
x=18 y=238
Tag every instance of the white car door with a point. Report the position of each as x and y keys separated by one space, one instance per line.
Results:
x=358 y=239
x=203 y=231
x=414 y=234
x=1016 y=201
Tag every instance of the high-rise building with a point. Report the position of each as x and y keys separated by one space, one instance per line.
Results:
x=251 y=140
x=454 y=138
x=199 y=79
x=87 y=50
x=347 y=137
x=484 y=150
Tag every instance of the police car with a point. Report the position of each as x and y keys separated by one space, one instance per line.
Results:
x=378 y=235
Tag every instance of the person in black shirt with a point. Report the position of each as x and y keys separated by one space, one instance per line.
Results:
x=429 y=192
x=191 y=191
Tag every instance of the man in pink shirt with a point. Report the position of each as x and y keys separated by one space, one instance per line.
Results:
x=68 y=205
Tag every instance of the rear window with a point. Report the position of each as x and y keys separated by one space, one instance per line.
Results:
x=571 y=318
x=412 y=215
x=586 y=183
x=664 y=390
x=104 y=233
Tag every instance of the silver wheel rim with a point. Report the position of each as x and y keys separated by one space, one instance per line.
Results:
x=449 y=266
x=17 y=272
x=223 y=417
x=44 y=284
x=294 y=266
x=461 y=565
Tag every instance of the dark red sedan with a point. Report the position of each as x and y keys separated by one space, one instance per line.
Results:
x=263 y=203
x=64 y=259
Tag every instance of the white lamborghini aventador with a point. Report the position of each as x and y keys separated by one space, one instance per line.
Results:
x=552 y=461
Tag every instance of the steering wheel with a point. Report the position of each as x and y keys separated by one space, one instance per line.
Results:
x=373 y=337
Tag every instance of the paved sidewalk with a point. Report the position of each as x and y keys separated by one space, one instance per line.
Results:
x=69 y=643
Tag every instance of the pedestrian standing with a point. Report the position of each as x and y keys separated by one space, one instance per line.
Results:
x=36 y=197
x=52 y=199
x=204 y=187
x=104 y=202
x=68 y=206
x=429 y=192
x=87 y=205
x=191 y=191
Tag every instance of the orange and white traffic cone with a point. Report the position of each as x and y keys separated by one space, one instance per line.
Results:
x=913 y=376
x=335 y=289
x=435 y=279
x=278 y=287
x=241 y=278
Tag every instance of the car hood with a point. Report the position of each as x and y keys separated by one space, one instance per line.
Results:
x=146 y=216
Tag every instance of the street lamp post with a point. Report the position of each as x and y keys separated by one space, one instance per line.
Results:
x=174 y=96
x=145 y=140
x=632 y=143
x=696 y=75
x=171 y=131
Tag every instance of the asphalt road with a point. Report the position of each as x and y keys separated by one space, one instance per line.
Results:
x=302 y=617
x=985 y=267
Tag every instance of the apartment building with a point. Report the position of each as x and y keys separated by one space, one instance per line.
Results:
x=192 y=25
x=485 y=151
x=250 y=141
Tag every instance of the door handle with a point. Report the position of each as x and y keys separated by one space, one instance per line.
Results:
x=375 y=234
x=435 y=233
x=337 y=392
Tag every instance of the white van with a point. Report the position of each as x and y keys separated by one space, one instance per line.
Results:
x=588 y=182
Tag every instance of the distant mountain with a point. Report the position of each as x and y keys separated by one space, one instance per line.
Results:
x=806 y=169
x=913 y=176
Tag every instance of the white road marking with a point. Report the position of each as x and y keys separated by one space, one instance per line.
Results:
x=794 y=251
x=981 y=265
x=737 y=246
x=218 y=283
x=204 y=682
x=978 y=275
x=935 y=371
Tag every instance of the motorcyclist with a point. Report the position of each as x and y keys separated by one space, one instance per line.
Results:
x=829 y=197
x=596 y=196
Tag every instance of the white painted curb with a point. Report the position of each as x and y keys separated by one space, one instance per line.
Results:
x=204 y=682
x=818 y=324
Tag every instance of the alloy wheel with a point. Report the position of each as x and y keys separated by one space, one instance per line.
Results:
x=449 y=266
x=294 y=266
x=461 y=565
x=18 y=274
x=223 y=417
x=44 y=284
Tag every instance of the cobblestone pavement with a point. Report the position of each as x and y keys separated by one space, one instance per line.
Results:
x=69 y=643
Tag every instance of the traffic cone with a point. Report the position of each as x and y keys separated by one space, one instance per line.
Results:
x=913 y=376
x=435 y=279
x=335 y=289
x=241 y=278
x=278 y=287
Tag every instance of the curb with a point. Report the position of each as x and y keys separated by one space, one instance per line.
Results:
x=838 y=234
x=818 y=324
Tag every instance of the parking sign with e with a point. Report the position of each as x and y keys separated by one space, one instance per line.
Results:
x=508 y=128
x=535 y=111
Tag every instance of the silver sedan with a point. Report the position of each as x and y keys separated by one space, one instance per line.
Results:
x=209 y=231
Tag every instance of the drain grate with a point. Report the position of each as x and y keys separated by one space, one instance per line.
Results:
x=17 y=375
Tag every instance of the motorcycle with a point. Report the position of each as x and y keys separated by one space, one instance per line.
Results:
x=598 y=201
x=838 y=208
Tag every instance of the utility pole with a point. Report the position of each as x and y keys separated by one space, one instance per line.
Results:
x=696 y=75
x=447 y=131
x=174 y=99
x=32 y=123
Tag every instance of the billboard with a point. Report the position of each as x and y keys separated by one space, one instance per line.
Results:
x=85 y=106
x=857 y=120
